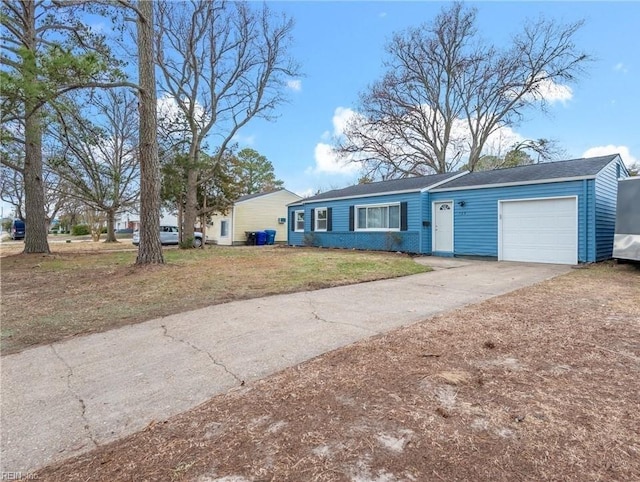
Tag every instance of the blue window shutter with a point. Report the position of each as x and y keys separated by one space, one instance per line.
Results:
x=292 y=220
x=351 y=217
x=329 y=219
x=313 y=220
x=403 y=216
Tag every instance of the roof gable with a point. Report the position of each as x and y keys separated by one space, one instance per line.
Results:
x=248 y=197
x=534 y=173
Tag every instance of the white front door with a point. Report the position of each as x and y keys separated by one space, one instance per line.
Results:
x=443 y=226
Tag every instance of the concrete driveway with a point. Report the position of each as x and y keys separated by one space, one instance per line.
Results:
x=66 y=398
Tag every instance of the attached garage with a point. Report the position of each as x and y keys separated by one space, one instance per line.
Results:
x=556 y=212
x=538 y=230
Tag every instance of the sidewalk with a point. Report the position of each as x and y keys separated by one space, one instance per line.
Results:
x=64 y=399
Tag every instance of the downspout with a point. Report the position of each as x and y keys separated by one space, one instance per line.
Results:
x=585 y=198
x=421 y=218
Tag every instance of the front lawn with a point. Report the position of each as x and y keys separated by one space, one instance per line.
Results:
x=88 y=287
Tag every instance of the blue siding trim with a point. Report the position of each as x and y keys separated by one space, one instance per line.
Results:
x=340 y=237
x=476 y=223
x=606 y=192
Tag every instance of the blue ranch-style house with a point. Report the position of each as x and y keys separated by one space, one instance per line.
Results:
x=556 y=212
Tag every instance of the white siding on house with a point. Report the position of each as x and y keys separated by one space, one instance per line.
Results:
x=214 y=229
x=254 y=214
x=262 y=212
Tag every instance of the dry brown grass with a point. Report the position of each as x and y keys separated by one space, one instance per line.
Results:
x=85 y=287
x=539 y=384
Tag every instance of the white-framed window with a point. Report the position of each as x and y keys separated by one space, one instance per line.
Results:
x=298 y=219
x=321 y=219
x=224 y=228
x=378 y=217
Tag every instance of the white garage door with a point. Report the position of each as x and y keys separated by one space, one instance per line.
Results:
x=539 y=231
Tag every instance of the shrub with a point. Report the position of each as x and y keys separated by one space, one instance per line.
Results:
x=309 y=239
x=80 y=230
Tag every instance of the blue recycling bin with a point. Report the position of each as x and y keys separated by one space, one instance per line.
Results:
x=271 y=236
x=261 y=238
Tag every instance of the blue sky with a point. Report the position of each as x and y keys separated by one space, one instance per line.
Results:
x=340 y=46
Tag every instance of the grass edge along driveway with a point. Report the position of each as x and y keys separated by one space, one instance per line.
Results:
x=70 y=293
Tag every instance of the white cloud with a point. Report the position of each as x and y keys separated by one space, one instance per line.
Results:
x=341 y=117
x=171 y=117
x=382 y=14
x=244 y=140
x=295 y=85
x=620 y=67
x=501 y=141
x=552 y=92
x=327 y=162
x=306 y=193
x=624 y=152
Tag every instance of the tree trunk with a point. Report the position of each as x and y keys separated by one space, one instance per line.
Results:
x=111 y=232
x=191 y=208
x=35 y=240
x=203 y=219
x=180 y=218
x=150 y=250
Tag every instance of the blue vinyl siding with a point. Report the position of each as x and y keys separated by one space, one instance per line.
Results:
x=295 y=238
x=476 y=223
x=341 y=237
x=606 y=192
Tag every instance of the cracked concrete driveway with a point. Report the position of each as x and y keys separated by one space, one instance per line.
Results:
x=63 y=399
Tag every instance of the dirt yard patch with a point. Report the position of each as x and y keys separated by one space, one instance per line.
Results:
x=539 y=384
x=85 y=287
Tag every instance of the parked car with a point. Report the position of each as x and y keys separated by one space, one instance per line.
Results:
x=169 y=235
x=17 y=229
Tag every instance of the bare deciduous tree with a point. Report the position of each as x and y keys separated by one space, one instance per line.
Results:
x=98 y=158
x=223 y=63
x=445 y=92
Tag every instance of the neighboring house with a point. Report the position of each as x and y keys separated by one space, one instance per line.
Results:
x=254 y=212
x=556 y=212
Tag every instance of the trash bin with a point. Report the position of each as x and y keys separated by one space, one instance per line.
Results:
x=271 y=236
x=251 y=238
x=261 y=238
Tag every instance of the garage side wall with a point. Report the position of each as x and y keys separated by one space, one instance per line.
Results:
x=606 y=192
x=476 y=222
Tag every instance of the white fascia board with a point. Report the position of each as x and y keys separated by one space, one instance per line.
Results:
x=520 y=183
x=440 y=183
x=383 y=193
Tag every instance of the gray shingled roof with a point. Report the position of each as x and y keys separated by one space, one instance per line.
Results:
x=535 y=172
x=382 y=187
